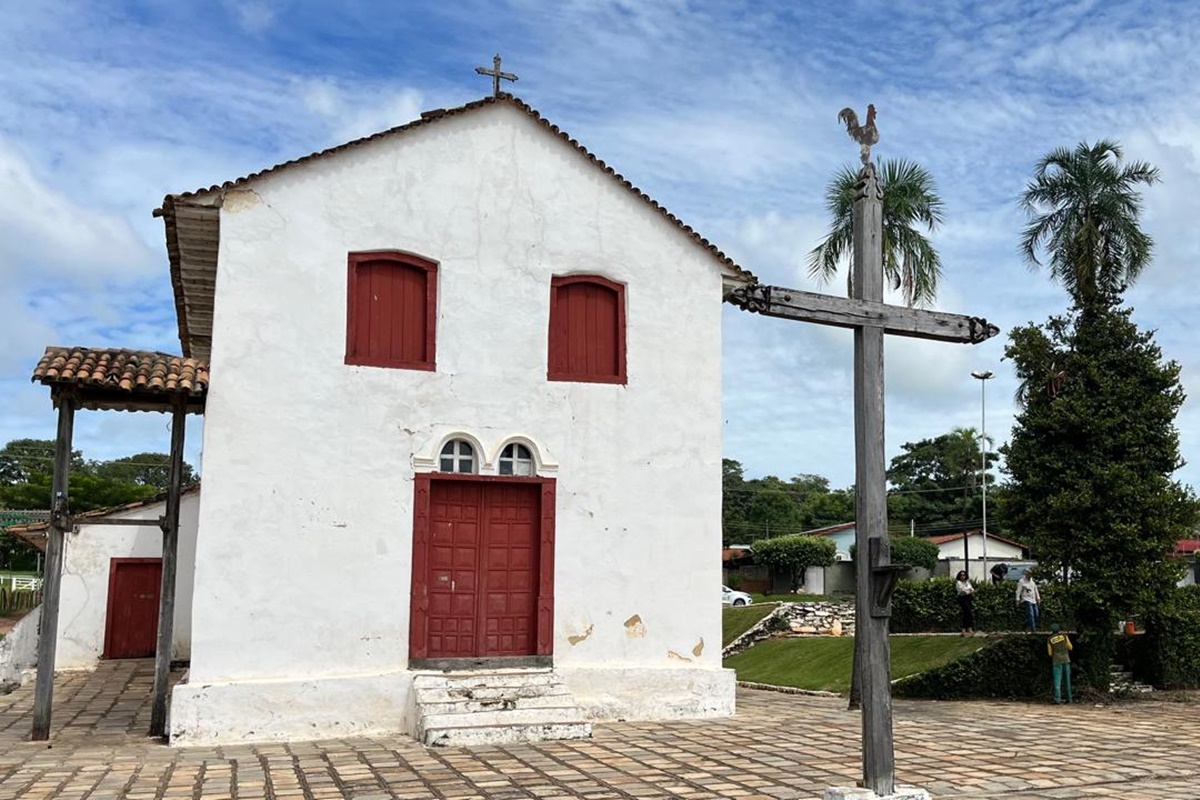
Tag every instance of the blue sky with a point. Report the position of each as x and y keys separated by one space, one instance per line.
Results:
x=723 y=111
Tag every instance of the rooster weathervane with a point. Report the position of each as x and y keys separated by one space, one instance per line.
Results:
x=865 y=135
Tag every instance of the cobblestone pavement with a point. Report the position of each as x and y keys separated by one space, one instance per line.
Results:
x=778 y=747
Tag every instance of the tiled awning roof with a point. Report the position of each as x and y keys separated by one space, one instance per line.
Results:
x=135 y=380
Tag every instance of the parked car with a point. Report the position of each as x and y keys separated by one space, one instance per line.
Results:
x=731 y=598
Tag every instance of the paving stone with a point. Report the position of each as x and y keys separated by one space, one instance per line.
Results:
x=778 y=747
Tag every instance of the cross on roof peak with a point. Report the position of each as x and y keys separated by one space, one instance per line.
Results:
x=496 y=75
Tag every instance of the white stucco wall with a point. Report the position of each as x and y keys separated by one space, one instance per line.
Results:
x=304 y=562
x=997 y=550
x=83 y=598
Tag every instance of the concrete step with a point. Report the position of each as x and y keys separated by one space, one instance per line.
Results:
x=505 y=734
x=516 y=716
x=494 y=706
x=506 y=703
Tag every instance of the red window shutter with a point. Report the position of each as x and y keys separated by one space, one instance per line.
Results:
x=392 y=310
x=587 y=330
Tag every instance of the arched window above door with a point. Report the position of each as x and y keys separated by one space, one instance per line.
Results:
x=516 y=459
x=458 y=456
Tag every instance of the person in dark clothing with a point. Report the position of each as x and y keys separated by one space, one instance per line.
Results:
x=998 y=573
x=966 y=602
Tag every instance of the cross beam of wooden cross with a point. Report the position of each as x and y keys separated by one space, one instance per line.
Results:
x=496 y=75
x=871 y=319
x=849 y=312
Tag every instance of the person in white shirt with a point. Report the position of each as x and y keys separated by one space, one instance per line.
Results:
x=966 y=601
x=1029 y=597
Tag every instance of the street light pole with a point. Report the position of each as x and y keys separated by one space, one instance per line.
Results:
x=983 y=377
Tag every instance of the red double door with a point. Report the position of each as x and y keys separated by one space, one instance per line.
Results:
x=481 y=582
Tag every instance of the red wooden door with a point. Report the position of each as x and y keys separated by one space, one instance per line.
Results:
x=482 y=569
x=454 y=569
x=131 y=628
x=510 y=585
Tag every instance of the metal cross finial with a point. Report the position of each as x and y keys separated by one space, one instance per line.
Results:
x=496 y=75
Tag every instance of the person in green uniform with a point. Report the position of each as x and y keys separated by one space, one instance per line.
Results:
x=1059 y=648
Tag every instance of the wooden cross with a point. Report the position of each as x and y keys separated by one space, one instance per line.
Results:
x=496 y=75
x=871 y=318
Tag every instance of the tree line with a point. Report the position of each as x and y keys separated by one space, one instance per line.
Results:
x=27 y=472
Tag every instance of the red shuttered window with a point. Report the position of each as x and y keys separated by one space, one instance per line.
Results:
x=587 y=329
x=391 y=318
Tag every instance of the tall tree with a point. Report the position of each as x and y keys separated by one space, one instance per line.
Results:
x=1091 y=459
x=1084 y=207
x=910 y=202
x=144 y=469
x=937 y=482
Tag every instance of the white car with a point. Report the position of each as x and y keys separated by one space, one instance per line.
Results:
x=731 y=598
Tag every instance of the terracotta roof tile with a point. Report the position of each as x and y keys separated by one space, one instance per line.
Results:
x=431 y=117
x=122 y=370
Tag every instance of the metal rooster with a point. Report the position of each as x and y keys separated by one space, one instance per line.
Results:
x=865 y=135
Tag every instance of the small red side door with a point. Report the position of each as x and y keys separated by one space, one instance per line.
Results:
x=131 y=628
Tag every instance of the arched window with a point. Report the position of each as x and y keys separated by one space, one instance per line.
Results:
x=458 y=456
x=391 y=315
x=515 y=459
x=587 y=329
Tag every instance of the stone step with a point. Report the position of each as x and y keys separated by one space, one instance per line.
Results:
x=474 y=705
x=516 y=716
x=505 y=734
x=455 y=694
x=486 y=680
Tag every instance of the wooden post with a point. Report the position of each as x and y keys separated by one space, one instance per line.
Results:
x=870 y=491
x=60 y=522
x=170 y=552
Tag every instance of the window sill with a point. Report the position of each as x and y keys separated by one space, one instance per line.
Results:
x=425 y=366
x=561 y=378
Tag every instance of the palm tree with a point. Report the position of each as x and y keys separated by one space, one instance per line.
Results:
x=909 y=200
x=1083 y=206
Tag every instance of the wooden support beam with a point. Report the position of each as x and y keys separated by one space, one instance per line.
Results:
x=76 y=521
x=170 y=553
x=43 y=690
x=859 y=312
x=870 y=488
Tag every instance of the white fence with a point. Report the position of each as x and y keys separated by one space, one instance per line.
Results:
x=16 y=582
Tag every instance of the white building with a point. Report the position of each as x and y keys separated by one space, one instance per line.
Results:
x=465 y=414
x=965 y=550
x=111 y=575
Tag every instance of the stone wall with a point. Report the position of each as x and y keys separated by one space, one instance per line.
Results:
x=790 y=619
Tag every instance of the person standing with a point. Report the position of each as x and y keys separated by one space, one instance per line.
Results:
x=1029 y=598
x=966 y=602
x=1059 y=648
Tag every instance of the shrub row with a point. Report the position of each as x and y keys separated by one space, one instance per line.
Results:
x=1015 y=667
x=932 y=606
x=1168 y=654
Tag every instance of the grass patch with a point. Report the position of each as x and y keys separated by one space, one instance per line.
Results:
x=800 y=598
x=737 y=620
x=824 y=663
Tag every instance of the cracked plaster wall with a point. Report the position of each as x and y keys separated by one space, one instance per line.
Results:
x=305 y=558
x=83 y=599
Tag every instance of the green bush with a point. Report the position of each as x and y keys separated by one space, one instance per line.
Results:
x=1015 y=667
x=1168 y=655
x=932 y=606
x=1187 y=598
x=910 y=550
x=794 y=554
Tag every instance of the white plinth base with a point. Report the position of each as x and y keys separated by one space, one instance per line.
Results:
x=858 y=793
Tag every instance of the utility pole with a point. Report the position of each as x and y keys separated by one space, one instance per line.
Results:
x=983 y=377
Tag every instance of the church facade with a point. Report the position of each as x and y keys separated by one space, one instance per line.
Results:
x=464 y=415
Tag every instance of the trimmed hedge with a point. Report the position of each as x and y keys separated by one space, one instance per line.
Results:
x=1015 y=668
x=932 y=606
x=1168 y=654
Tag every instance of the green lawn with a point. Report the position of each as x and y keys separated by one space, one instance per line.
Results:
x=799 y=598
x=736 y=621
x=823 y=663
